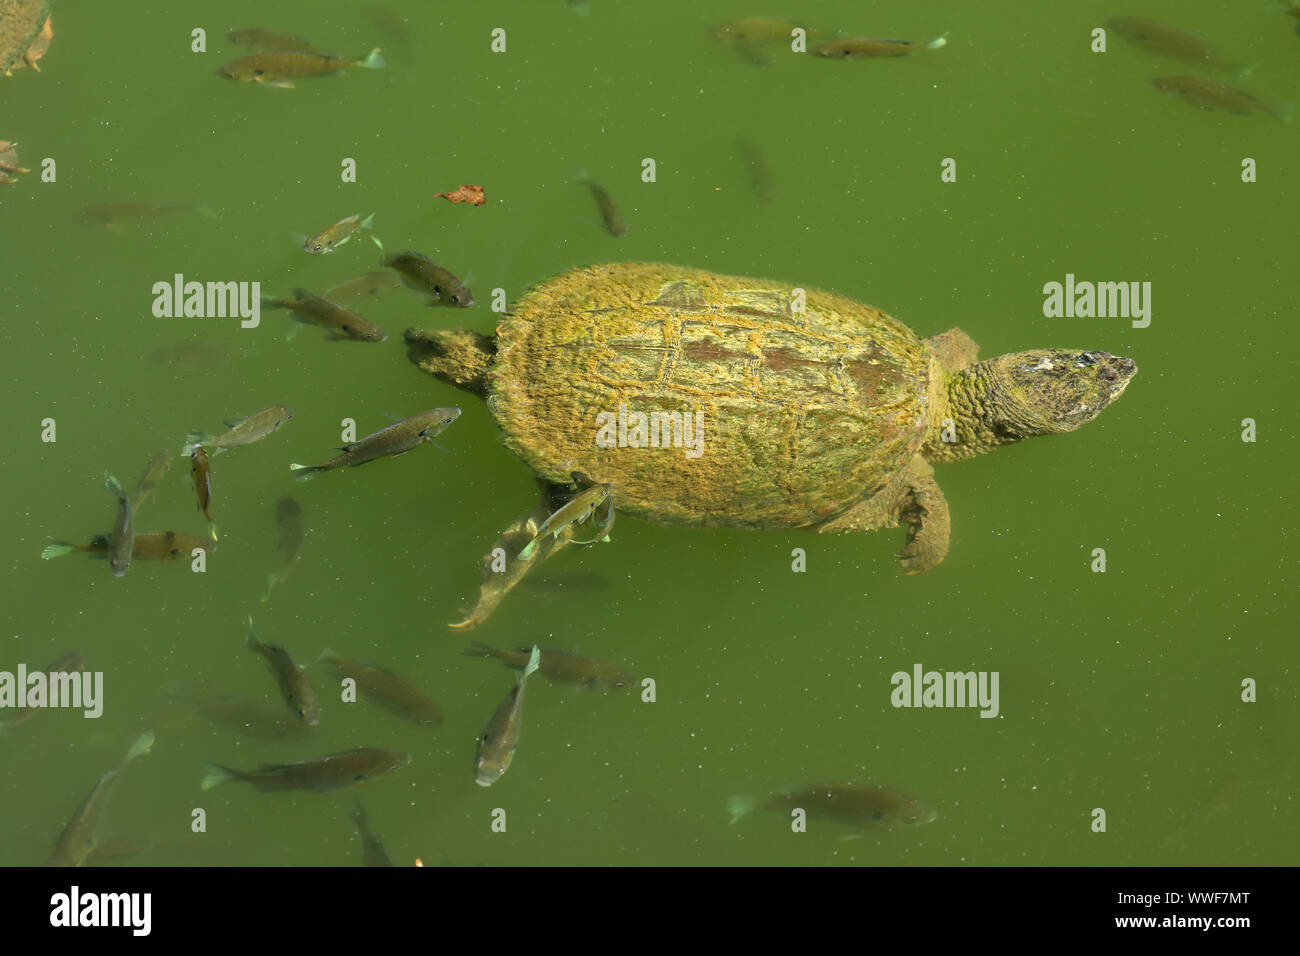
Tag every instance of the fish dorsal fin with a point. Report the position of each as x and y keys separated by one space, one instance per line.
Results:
x=233 y=422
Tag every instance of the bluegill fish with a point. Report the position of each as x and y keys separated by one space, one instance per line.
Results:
x=147 y=546
x=323 y=773
x=78 y=837
x=858 y=806
x=152 y=476
x=396 y=439
x=66 y=664
x=393 y=693
x=1212 y=95
x=253 y=718
x=363 y=287
x=500 y=737
x=592 y=501
x=241 y=431
x=331 y=237
x=294 y=686
x=291 y=530
x=121 y=543
x=281 y=69
x=608 y=211
x=421 y=273
x=372 y=848
x=201 y=473
x=560 y=667
x=1164 y=40
x=268 y=41
x=863 y=48
x=343 y=323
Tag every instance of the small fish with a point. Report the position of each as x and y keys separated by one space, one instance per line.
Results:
x=421 y=273
x=500 y=737
x=468 y=193
x=1211 y=95
x=756 y=30
x=242 y=431
x=855 y=805
x=560 y=667
x=78 y=836
x=294 y=686
x=121 y=543
x=363 y=287
x=396 y=439
x=125 y=214
x=148 y=546
x=372 y=848
x=254 y=718
x=608 y=211
x=291 y=531
x=267 y=40
x=343 y=323
x=281 y=69
x=151 y=477
x=323 y=773
x=760 y=179
x=1160 y=38
x=331 y=237
x=385 y=688
x=863 y=48
x=582 y=507
x=201 y=473
x=66 y=664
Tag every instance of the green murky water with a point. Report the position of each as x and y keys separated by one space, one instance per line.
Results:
x=1118 y=690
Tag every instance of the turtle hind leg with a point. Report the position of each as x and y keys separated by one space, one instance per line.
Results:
x=458 y=356
x=912 y=498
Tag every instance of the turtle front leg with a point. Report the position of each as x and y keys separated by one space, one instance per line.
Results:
x=498 y=583
x=912 y=498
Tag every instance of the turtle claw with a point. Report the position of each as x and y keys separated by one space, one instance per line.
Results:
x=497 y=584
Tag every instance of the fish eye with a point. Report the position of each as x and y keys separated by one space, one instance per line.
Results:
x=347 y=328
x=257 y=72
x=438 y=289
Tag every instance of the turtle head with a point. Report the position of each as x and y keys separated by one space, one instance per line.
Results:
x=1053 y=391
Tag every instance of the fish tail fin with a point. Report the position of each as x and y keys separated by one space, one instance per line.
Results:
x=938 y=42
x=212 y=530
x=204 y=210
x=527 y=551
x=740 y=807
x=251 y=642
x=113 y=486
x=373 y=60
x=192 y=441
x=479 y=649
x=534 y=662
x=375 y=240
x=143 y=744
x=582 y=177
x=306 y=472
x=368 y=222
x=56 y=549
x=1285 y=113
x=271 y=581
x=217 y=774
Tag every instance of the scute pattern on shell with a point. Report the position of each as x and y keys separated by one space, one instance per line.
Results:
x=805 y=413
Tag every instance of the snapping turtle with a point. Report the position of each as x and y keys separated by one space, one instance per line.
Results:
x=765 y=405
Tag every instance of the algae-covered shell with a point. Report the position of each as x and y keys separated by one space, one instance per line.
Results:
x=807 y=402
